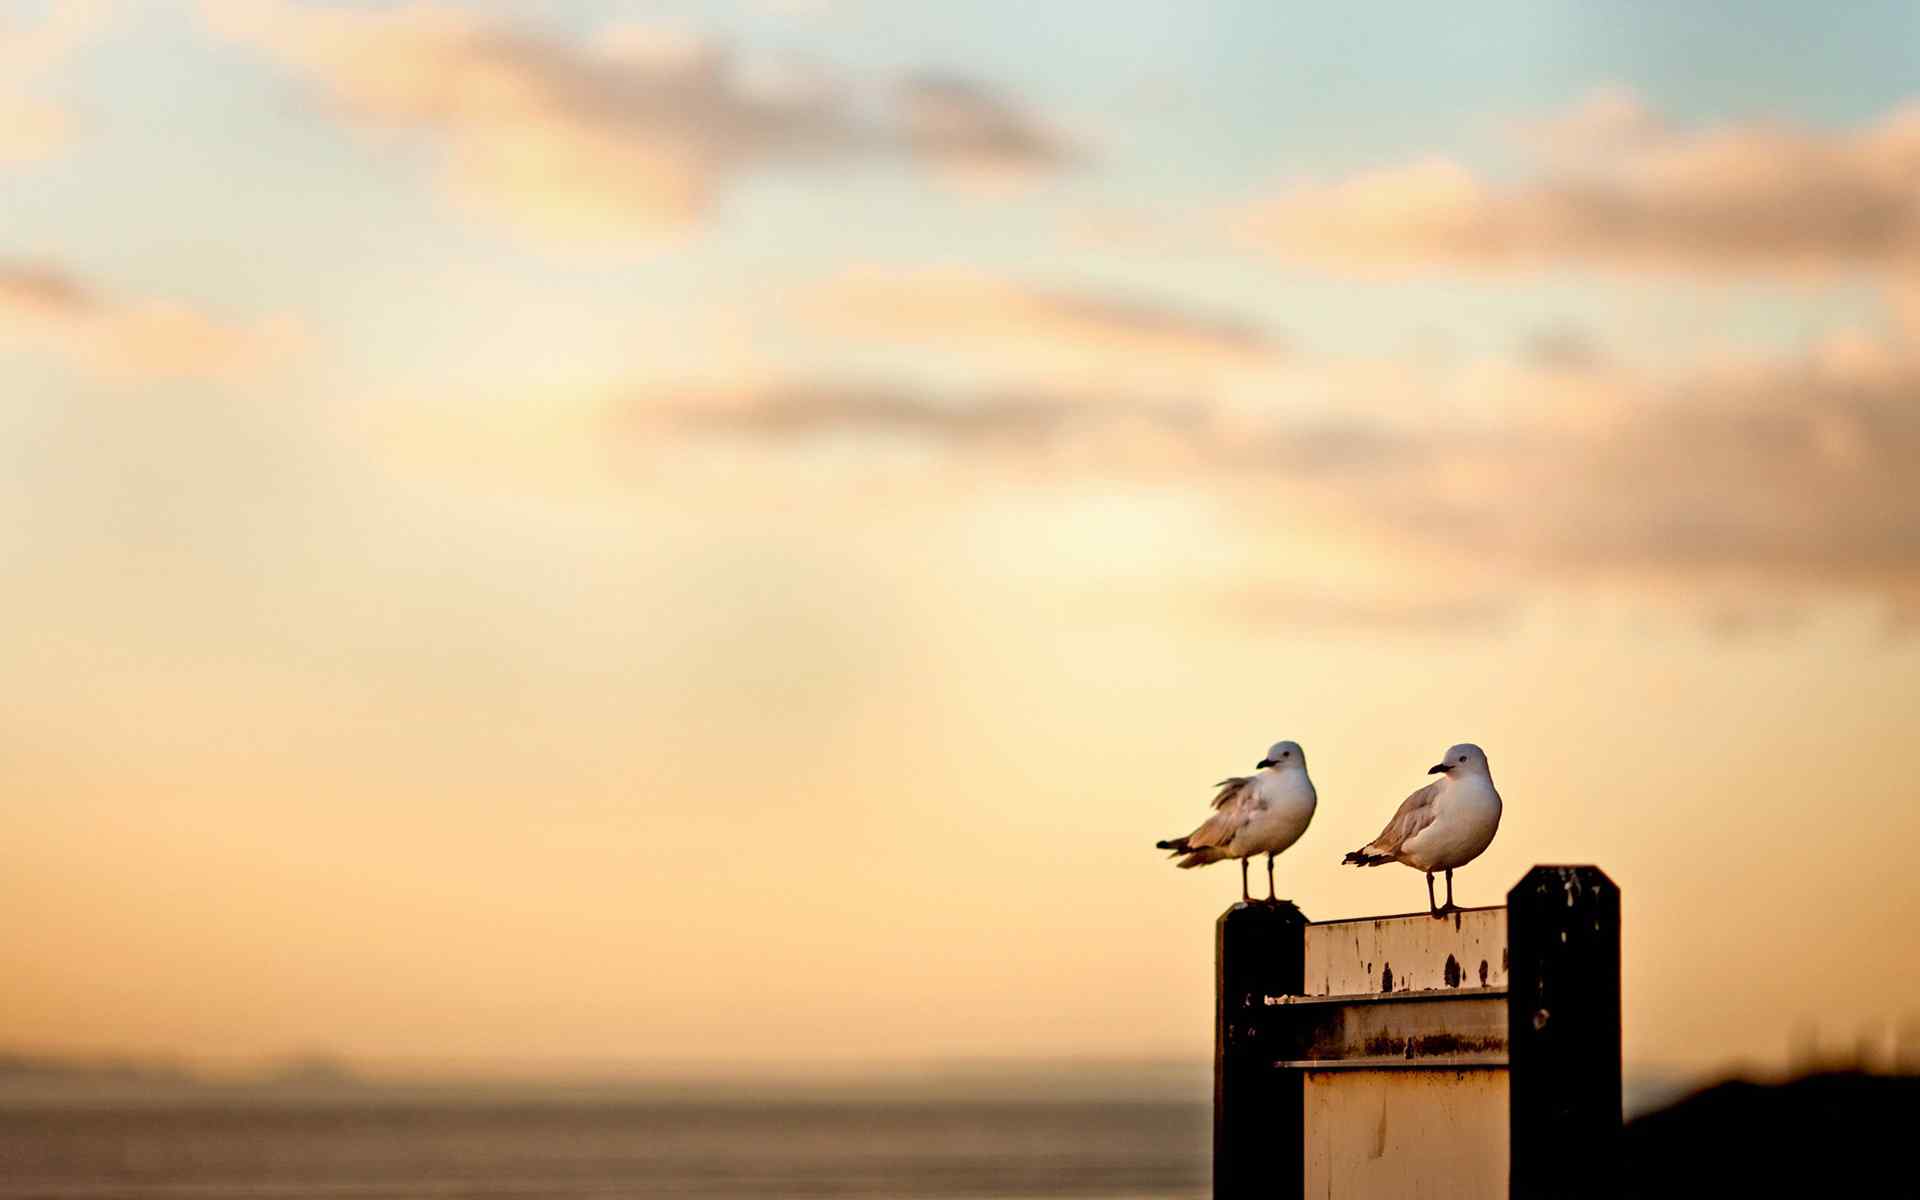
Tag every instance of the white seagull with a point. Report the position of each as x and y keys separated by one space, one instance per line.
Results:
x=1444 y=825
x=1255 y=814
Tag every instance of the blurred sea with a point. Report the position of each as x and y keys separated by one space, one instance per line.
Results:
x=551 y=1150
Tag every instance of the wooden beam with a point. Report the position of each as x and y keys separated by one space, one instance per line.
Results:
x=1446 y=1030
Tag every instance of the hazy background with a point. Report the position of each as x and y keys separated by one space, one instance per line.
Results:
x=683 y=538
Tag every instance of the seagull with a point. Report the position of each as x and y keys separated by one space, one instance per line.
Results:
x=1254 y=814
x=1443 y=826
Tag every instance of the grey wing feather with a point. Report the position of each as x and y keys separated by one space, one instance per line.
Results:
x=1233 y=805
x=1229 y=787
x=1416 y=813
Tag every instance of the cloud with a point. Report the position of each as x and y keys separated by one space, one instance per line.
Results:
x=31 y=127
x=793 y=411
x=637 y=131
x=1725 y=481
x=1561 y=348
x=1618 y=188
x=641 y=130
x=976 y=135
x=1790 y=473
x=1606 y=120
x=970 y=307
x=43 y=307
x=1727 y=488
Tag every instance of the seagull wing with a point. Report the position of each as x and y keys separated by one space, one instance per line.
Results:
x=1416 y=813
x=1230 y=787
x=1232 y=807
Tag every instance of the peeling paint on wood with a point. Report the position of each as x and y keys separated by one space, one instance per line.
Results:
x=1410 y=953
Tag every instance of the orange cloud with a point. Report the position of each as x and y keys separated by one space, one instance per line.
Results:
x=30 y=127
x=1606 y=120
x=1785 y=476
x=975 y=135
x=1621 y=189
x=640 y=130
x=1789 y=476
x=42 y=307
x=1012 y=423
x=945 y=307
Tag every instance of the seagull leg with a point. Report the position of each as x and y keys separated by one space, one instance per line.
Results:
x=1431 y=906
x=1450 y=904
x=1269 y=879
x=1246 y=897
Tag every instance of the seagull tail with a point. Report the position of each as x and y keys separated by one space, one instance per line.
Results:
x=1189 y=854
x=1364 y=857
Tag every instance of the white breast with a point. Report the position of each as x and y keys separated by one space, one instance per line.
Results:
x=1466 y=816
x=1283 y=806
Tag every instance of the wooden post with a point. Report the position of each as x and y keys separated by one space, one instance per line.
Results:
x=1563 y=1033
x=1258 y=1112
x=1400 y=1054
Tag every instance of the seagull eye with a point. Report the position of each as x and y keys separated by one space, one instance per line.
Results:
x=1463 y=758
x=1286 y=754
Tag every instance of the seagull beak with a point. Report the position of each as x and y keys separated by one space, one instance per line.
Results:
x=1265 y=762
x=1441 y=769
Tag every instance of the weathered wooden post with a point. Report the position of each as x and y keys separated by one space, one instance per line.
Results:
x=1259 y=952
x=1563 y=1033
x=1403 y=1055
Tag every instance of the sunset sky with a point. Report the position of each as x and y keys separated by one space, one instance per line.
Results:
x=694 y=535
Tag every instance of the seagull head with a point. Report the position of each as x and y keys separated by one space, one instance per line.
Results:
x=1463 y=759
x=1284 y=755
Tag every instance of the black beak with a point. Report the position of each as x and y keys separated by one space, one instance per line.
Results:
x=1439 y=770
x=1265 y=762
